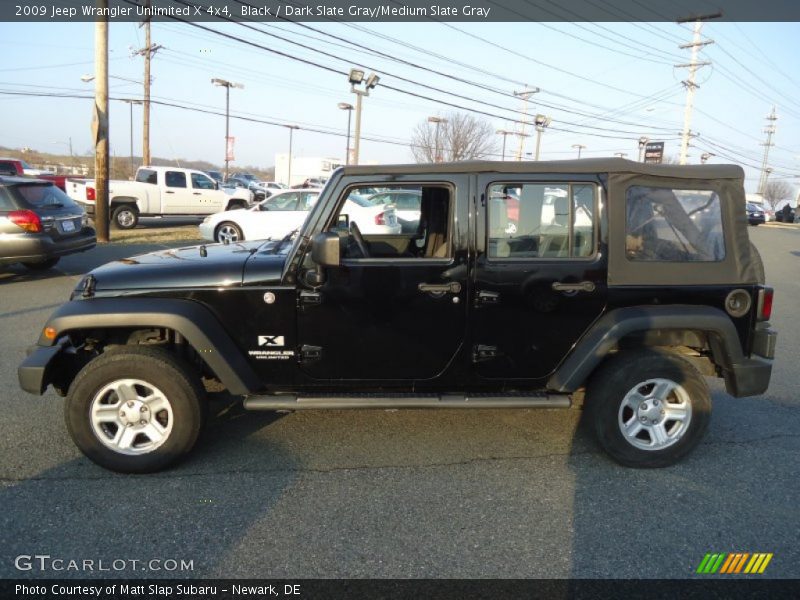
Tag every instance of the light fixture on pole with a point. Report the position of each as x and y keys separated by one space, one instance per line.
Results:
x=705 y=156
x=291 y=129
x=642 y=143
x=541 y=122
x=349 y=109
x=504 y=133
x=579 y=147
x=356 y=78
x=621 y=154
x=228 y=145
x=437 y=155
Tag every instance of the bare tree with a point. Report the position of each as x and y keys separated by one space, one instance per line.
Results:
x=461 y=136
x=776 y=191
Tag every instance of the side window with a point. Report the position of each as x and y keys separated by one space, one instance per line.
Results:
x=281 y=202
x=175 y=179
x=201 y=182
x=541 y=220
x=147 y=176
x=424 y=231
x=7 y=168
x=673 y=225
x=307 y=200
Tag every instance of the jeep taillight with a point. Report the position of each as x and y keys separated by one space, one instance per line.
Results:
x=90 y=193
x=765 y=295
x=380 y=219
x=26 y=219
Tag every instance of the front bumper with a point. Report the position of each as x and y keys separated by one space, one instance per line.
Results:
x=207 y=231
x=35 y=372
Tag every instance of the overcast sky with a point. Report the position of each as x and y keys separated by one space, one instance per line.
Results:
x=603 y=85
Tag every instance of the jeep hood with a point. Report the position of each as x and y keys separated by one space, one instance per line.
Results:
x=211 y=265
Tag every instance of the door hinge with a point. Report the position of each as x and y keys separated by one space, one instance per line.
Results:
x=481 y=353
x=487 y=297
x=310 y=352
x=308 y=298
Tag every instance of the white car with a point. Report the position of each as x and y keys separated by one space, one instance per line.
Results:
x=271 y=187
x=284 y=211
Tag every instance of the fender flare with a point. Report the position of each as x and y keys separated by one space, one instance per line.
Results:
x=609 y=329
x=196 y=323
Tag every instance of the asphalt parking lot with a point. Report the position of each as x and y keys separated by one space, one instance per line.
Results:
x=409 y=494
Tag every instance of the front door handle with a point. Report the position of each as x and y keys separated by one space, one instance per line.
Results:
x=583 y=286
x=440 y=288
x=169 y=192
x=196 y=193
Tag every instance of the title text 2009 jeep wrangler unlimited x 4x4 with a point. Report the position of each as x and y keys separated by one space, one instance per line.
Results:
x=627 y=280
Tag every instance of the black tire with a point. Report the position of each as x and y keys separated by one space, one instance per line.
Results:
x=43 y=265
x=231 y=228
x=618 y=377
x=125 y=216
x=155 y=367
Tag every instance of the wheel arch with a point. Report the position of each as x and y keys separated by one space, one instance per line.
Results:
x=663 y=327
x=193 y=322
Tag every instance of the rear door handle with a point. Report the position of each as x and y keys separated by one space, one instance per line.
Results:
x=583 y=286
x=196 y=193
x=440 y=288
x=169 y=192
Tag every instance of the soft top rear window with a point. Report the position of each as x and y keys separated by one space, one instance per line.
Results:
x=41 y=195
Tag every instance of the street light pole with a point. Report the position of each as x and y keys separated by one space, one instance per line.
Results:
x=579 y=147
x=291 y=131
x=437 y=157
x=356 y=77
x=541 y=122
x=642 y=143
x=227 y=85
x=349 y=109
x=504 y=133
x=131 y=103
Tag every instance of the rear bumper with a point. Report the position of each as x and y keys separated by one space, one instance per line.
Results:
x=40 y=247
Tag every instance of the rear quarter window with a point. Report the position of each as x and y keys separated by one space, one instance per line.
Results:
x=673 y=225
x=37 y=195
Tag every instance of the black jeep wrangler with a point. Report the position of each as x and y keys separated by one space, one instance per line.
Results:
x=518 y=285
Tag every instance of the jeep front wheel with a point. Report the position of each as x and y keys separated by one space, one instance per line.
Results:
x=648 y=408
x=134 y=409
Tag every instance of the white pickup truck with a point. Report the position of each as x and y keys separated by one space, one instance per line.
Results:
x=160 y=191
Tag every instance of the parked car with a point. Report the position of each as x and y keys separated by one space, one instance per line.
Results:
x=216 y=176
x=785 y=215
x=16 y=166
x=160 y=191
x=285 y=211
x=755 y=214
x=314 y=182
x=271 y=218
x=248 y=182
x=39 y=224
x=407 y=203
x=270 y=187
x=625 y=312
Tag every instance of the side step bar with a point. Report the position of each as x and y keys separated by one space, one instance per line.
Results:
x=290 y=402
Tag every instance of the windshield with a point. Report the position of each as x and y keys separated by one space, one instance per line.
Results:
x=42 y=195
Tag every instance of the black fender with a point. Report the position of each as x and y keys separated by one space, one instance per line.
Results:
x=196 y=323
x=743 y=376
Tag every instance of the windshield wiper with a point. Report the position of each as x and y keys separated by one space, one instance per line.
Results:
x=277 y=247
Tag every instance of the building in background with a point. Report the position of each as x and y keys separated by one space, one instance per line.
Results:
x=304 y=167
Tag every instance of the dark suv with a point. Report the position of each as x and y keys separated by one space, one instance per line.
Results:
x=621 y=287
x=39 y=224
x=248 y=182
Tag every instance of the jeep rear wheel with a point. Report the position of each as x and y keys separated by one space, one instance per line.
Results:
x=648 y=408
x=134 y=409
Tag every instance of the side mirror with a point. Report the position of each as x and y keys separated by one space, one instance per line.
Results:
x=326 y=249
x=216 y=185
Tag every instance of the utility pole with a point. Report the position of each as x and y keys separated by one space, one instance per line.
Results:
x=100 y=124
x=147 y=52
x=770 y=131
x=526 y=96
x=437 y=155
x=693 y=65
x=291 y=131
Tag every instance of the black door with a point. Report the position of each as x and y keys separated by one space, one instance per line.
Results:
x=399 y=314
x=540 y=273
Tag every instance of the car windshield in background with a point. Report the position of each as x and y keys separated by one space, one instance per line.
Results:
x=41 y=195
